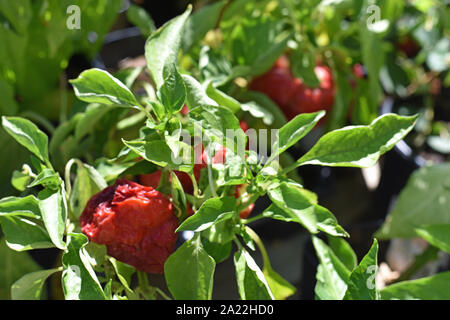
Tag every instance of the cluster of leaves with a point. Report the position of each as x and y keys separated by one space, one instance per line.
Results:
x=36 y=48
x=47 y=213
x=339 y=34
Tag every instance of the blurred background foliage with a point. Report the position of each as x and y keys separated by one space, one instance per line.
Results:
x=36 y=48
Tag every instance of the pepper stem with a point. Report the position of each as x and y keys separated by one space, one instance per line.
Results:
x=260 y=245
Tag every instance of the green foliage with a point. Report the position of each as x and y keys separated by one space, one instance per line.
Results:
x=140 y=18
x=78 y=278
x=162 y=47
x=13 y=265
x=361 y=285
x=28 y=135
x=189 y=272
x=252 y=284
x=436 y=235
x=359 y=146
x=415 y=207
x=98 y=86
x=211 y=212
x=430 y=288
x=30 y=286
x=127 y=126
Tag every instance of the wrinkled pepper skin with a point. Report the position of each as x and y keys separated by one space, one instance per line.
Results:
x=136 y=223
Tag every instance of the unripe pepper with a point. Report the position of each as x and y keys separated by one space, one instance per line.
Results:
x=136 y=223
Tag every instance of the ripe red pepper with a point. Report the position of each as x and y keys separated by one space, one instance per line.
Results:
x=291 y=94
x=136 y=223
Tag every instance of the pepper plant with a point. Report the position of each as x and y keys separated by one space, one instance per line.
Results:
x=102 y=222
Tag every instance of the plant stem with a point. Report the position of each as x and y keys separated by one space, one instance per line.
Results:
x=429 y=254
x=260 y=245
x=289 y=168
x=250 y=220
x=162 y=293
x=143 y=281
x=211 y=179
x=195 y=185
x=222 y=12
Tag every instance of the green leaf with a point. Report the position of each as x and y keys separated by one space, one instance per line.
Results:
x=20 y=180
x=279 y=119
x=24 y=234
x=141 y=19
x=327 y=222
x=393 y=77
x=54 y=214
x=290 y=203
x=14 y=206
x=429 y=288
x=361 y=285
x=159 y=153
x=221 y=232
x=124 y=272
x=99 y=86
x=84 y=188
x=172 y=93
x=332 y=275
x=30 y=286
x=199 y=23
x=96 y=253
x=162 y=47
x=257 y=43
x=95 y=177
x=295 y=130
x=359 y=146
x=195 y=93
x=303 y=63
x=280 y=288
x=343 y=101
x=343 y=251
x=437 y=235
x=211 y=212
x=189 y=272
x=259 y=112
x=178 y=195
x=79 y=279
x=47 y=177
x=216 y=122
x=13 y=265
x=252 y=284
x=214 y=66
x=28 y=135
x=89 y=119
x=424 y=201
x=373 y=59
x=222 y=98
x=219 y=251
